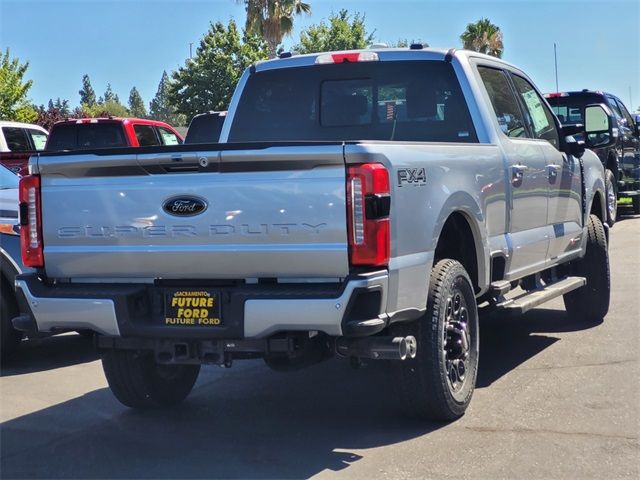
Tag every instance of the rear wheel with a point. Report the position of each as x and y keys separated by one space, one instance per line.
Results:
x=591 y=303
x=612 y=197
x=9 y=336
x=439 y=382
x=138 y=381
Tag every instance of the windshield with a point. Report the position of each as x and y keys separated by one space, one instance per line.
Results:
x=570 y=109
x=399 y=100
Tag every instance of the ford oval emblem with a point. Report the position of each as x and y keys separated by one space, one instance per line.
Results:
x=184 y=206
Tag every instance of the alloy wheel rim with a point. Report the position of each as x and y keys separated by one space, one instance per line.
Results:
x=457 y=341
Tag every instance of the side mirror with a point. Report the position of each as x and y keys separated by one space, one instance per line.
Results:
x=598 y=126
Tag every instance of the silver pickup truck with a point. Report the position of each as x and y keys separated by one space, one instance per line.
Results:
x=365 y=204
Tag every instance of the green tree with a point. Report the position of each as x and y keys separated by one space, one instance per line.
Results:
x=273 y=19
x=208 y=80
x=160 y=107
x=14 y=104
x=87 y=94
x=61 y=105
x=136 y=105
x=108 y=94
x=484 y=37
x=109 y=108
x=343 y=32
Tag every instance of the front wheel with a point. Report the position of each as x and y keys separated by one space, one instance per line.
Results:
x=612 y=197
x=439 y=382
x=138 y=381
x=591 y=303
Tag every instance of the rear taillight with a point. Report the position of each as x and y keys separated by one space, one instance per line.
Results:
x=368 y=205
x=31 y=221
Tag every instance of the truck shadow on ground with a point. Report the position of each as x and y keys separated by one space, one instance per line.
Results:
x=47 y=353
x=508 y=341
x=249 y=422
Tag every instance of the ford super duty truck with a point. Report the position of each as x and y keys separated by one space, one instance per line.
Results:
x=365 y=204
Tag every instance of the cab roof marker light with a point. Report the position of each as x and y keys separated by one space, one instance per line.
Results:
x=556 y=95
x=347 y=57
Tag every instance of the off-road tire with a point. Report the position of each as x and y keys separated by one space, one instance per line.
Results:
x=423 y=382
x=9 y=336
x=612 y=197
x=590 y=303
x=138 y=381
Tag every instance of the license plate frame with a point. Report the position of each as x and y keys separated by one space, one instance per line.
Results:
x=192 y=307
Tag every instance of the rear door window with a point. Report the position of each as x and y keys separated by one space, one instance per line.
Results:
x=146 y=135
x=168 y=137
x=16 y=139
x=396 y=100
x=505 y=104
x=38 y=138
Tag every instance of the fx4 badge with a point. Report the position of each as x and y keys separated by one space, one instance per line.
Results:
x=412 y=176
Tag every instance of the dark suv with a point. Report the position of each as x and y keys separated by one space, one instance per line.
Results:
x=622 y=159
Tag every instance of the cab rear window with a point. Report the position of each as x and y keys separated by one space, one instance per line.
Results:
x=400 y=100
x=86 y=135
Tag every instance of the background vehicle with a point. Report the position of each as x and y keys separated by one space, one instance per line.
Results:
x=17 y=142
x=110 y=133
x=205 y=128
x=10 y=261
x=622 y=159
x=361 y=204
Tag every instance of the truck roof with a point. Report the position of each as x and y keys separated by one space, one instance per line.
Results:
x=5 y=123
x=123 y=120
x=289 y=60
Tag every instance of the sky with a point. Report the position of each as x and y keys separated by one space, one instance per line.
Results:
x=130 y=42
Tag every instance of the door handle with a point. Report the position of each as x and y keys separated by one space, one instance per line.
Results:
x=553 y=170
x=517 y=174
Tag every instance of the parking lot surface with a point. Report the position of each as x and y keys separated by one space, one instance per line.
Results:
x=554 y=400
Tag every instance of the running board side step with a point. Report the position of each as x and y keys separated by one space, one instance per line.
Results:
x=528 y=300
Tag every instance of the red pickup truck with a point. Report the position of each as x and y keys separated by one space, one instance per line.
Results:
x=101 y=133
x=110 y=133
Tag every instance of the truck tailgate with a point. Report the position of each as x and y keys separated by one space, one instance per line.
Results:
x=273 y=212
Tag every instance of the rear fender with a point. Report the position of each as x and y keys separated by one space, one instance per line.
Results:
x=464 y=204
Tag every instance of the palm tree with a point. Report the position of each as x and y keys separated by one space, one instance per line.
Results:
x=484 y=37
x=273 y=19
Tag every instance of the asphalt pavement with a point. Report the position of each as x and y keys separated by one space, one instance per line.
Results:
x=555 y=399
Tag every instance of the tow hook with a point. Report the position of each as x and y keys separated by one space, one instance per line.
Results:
x=378 y=348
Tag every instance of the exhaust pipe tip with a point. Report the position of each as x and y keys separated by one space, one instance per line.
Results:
x=412 y=346
x=403 y=348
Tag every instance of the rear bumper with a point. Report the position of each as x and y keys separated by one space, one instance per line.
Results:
x=354 y=307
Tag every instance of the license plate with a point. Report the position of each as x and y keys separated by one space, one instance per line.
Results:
x=192 y=307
